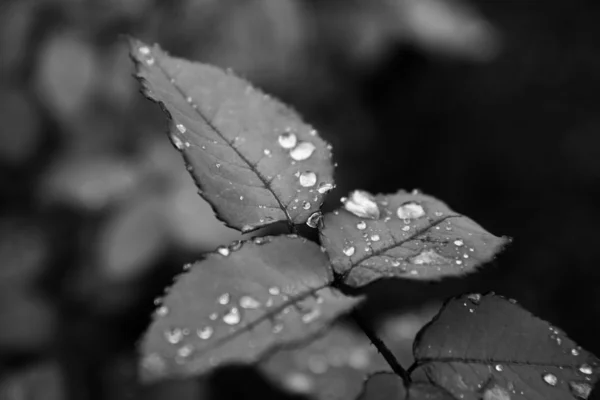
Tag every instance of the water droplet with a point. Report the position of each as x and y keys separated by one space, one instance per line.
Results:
x=349 y=251
x=174 y=335
x=177 y=142
x=224 y=298
x=581 y=390
x=236 y=245
x=267 y=152
x=224 y=251
x=496 y=393
x=185 y=351
x=218 y=165
x=299 y=383
x=410 y=210
x=154 y=364
x=395 y=263
x=311 y=315
x=277 y=328
x=302 y=151
x=429 y=257
x=475 y=298
x=315 y=220
x=575 y=352
x=586 y=369
x=375 y=238
x=458 y=242
x=232 y=317
x=361 y=204
x=306 y=205
x=205 y=333
x=550 y=379
x=361 y=225
x=150 y=61
x=499 y=368
x=144 y=50
x=438 y=213
x=248 y=302
x=181 y=128
x=359 y=358
x=274 y=290
x=325 y=187
x=213 y=316
x=406 y=228
x=287 y=140
x=307 y=179
x=162 y=311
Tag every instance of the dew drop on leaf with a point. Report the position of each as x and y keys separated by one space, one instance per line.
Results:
x=410 y=210
x=249 y=302
x=274 y=290
x=177 y=142
x=154 y=364
x=496 y=393
x=174 y=335
x=361 y=225
x=306 y=205
x=162 y=311
x=181 y=128
x=311 y=315
x=324 y=187
x=224 y=299
x=474 y=298
x=277 y=328
x=185 y=351
x=205 y=333
x=302 y=151
x=580 y=390
x=349 y=251
x=224 y=251
x=429 y=257
x=287 y=140
x=575 y=352
x=458 y=242
x=550 y=379
x=361 y=204
x=375 y=238
x=307 y=179
x=233 y=317
x=586 y=369
x=406 y=228
x=213 y=316
x=499 y=368
x=315 y=219
x=299 y=383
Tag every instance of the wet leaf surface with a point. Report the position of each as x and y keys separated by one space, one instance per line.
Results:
x=407 y=235
x=489 y=346
x=238 y=303
x=387 y=386
x=332 y=367
x=253 y=158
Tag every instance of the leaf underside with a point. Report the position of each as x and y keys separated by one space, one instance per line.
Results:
x=332 y=367
x=435 y=243
x=254 y=159
x=240 y=302
x=387 y=386
x=489 y=346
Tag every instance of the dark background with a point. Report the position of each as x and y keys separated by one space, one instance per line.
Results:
x=491 y=106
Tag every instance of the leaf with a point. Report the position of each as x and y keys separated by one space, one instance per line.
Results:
x=240 y=302
x=387 y=386
x=489 y=345
x=408 y=235
x=331 y=367
x=255 y=161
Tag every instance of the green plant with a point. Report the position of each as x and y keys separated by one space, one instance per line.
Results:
x=257 y=163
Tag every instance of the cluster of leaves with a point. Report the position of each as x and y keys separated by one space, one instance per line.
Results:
x=257 y=163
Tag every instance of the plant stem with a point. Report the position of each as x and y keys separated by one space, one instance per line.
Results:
x=382 y=348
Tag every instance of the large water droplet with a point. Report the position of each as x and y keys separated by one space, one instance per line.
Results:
x=274 y=290
x=410 y=210
x=315 y=220
x=496 y=393
x=174 y=335
x=306 y=205
x=475 y=298
x=361 y=204
x=287 y=140
x=375 y=238
x=205 y=333
x=581 y=390
x=361 y=225
x=224 y=298
x=233 y=317
x=349 y=251
x=429 y=257
x=307 y=179
x=311 y=315
x=324 y=187
x=224 y=251
x=249 y=302
x=177 y=142
x=302 y=151
x=550 y=379
x=586 y=369
x=499 y=368
x=458 y=242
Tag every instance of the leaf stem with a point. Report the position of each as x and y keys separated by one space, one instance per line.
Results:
x=382 y=348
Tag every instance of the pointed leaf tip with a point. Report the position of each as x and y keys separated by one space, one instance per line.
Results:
x=253 y=158
x=238 y=303
x=404 y=235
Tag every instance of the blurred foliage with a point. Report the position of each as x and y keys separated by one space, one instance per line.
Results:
x=490 y=106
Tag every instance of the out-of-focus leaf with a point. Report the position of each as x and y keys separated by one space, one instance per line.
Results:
x=331 y=367
x=407 y=235
x=387 y=386
x=28 y=321
x=20 y=134
x=489 y=346
x=255 y=161
x=42 y=381
x=240 y=302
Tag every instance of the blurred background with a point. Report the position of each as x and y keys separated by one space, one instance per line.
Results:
x=491 y=106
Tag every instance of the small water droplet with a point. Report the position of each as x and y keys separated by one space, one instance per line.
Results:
x=307 y=179
x=287 y=140
x=233 y=317
x=144 y=50
x=375 y=238
x=150 y=61
x=302 y=151
x=267 y=152
x=406 y=228
x=189 y=99
x=575 y=352
x=185 y=351
x=474 y=298
x=496 y=393
x=205 y=333
x=274 y=290
x=162 y=311
x=174 y=335
x=429 y=257
x=438 y=213
x=499 y=368
x=224 y=251
x=177 y=142
x=315 y=220
x=586 y=369
x=311 y=315
x=550 y=379
x=325 y=187
x=349 y=251
x=181 y=128
x=249 y=302
x=458 y=242
x=410 y=210
x=218 y=165
x=299 y=383
x=361 y=225
x=306 y=205
x=224 y=298
x=154 y=364
x=213 y=316
x=395 y=263
x=361 y=204
x=277 y=328
x=581 y=390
